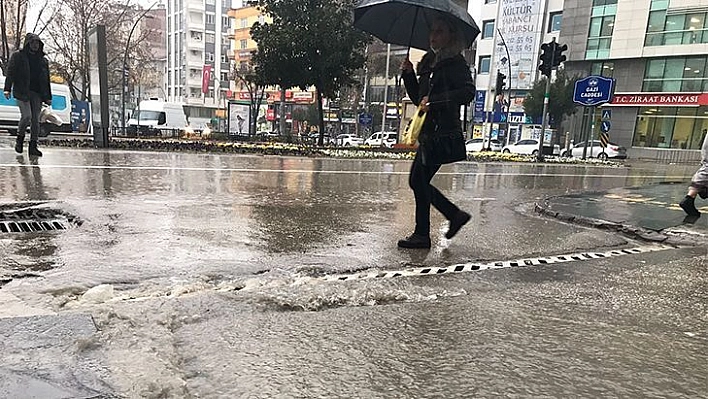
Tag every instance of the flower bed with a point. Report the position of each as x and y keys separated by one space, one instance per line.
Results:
x=405 y=153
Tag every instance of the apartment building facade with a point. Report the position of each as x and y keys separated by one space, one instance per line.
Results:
x=657 y=50
x=198 y=45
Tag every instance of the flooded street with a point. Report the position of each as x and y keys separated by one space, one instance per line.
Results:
x=205 y=277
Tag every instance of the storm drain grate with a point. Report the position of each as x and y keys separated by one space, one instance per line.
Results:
x=33 y=218
x=525 y=262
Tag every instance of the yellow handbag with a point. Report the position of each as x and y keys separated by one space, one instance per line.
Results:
x=415 y=125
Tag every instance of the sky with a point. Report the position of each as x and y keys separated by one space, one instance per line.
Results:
x=35 y=6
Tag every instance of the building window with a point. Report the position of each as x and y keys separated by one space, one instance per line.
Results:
x=261 y=19
x=224 y=58
x=225 y=22
x=600 y=37
x=244 y=44
x=210 y=38
x=210 y=20
x=244 y=23
x=484 y=64
x=676 y=29
x=490 y=1
x=210 y=2
x=682 y=74
x=606 y=69
x=554 y=22
x=209 y=57
x=488 y=29
x=671 y=127
x=601 y=8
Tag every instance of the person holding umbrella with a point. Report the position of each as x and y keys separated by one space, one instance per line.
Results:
x=442 y=85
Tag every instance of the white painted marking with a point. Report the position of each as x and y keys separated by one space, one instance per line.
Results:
x=524 y=262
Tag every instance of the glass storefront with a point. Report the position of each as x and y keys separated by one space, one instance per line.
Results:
x=671 y=127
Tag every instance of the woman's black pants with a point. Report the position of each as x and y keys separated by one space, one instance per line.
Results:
x=425 y=195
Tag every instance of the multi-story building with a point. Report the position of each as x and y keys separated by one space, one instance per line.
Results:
x=197 y=57
x=509 y=43
x=154 y=22
x=657 y=50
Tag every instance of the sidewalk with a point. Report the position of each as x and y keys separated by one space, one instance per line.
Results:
x=649 y=212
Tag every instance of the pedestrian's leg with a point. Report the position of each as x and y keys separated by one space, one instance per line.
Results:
x=420 y=184
x=419 y=181
x=36 y=104
x=25 y=118
x=688 y=204
x=452 y=213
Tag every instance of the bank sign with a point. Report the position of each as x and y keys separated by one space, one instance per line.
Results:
x=593 y=91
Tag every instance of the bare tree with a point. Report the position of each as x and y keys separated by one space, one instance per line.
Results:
x=13 y=17
x=69 y=28
x=245 y=74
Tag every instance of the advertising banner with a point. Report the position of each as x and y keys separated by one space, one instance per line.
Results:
x=521 y=25
x=239 y=119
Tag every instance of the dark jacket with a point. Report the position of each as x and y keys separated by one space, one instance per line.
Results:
x=448 y=85
x=18 y=74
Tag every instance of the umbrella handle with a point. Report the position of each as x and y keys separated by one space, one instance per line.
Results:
x=410 y=38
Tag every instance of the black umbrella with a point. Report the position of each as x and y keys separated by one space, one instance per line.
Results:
x=408 y=22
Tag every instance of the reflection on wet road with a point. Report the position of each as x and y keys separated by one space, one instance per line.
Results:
x=202 y=264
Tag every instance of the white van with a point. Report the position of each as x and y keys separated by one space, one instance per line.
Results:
x=61 y=105
x=157 y=117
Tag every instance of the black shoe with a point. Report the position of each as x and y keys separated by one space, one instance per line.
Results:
x=33 y=151
x=456 y=223
x=415 y=241
x=19 y=144
x=689 y=206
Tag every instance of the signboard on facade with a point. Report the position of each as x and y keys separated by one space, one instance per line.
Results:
x=660 y=99
x=593 y=90
x=521 y=25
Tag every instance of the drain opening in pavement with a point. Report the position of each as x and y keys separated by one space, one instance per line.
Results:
x=34 y=217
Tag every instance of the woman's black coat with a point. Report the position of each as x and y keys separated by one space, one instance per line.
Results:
x=448 y=85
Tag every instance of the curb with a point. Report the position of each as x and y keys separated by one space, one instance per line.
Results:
x=674 y=238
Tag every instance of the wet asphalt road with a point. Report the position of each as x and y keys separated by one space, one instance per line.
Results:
x=208 y=266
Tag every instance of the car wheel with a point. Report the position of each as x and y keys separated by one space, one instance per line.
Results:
x=506 y=151
x=535 y=153
x=566 y=154
x=602 y=156
x=347 y=145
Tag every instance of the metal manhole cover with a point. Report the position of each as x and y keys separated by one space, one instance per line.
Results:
x=35 y=217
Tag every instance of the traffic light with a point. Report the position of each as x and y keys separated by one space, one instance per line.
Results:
x=501 y=82
x=546 y=59
x=558 y=57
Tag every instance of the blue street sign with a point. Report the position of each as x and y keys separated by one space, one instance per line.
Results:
x=606 y=114
x=365 y=119
x=479 y=100
x=605 y=126
x=593 y=90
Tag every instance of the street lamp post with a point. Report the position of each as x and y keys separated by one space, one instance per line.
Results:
x=125 y=63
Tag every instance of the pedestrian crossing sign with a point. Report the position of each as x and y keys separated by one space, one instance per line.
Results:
x=606 y=114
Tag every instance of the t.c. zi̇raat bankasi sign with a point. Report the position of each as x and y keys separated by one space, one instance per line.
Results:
x=660 y=99
x=593 y=91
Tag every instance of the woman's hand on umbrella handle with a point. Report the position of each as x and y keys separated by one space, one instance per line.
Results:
x=406 y=66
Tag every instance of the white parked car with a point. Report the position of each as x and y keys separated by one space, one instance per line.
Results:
x=348 y=140
x=527 y=147
x=612 y=151
x=389 y=139
x=475 y=145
